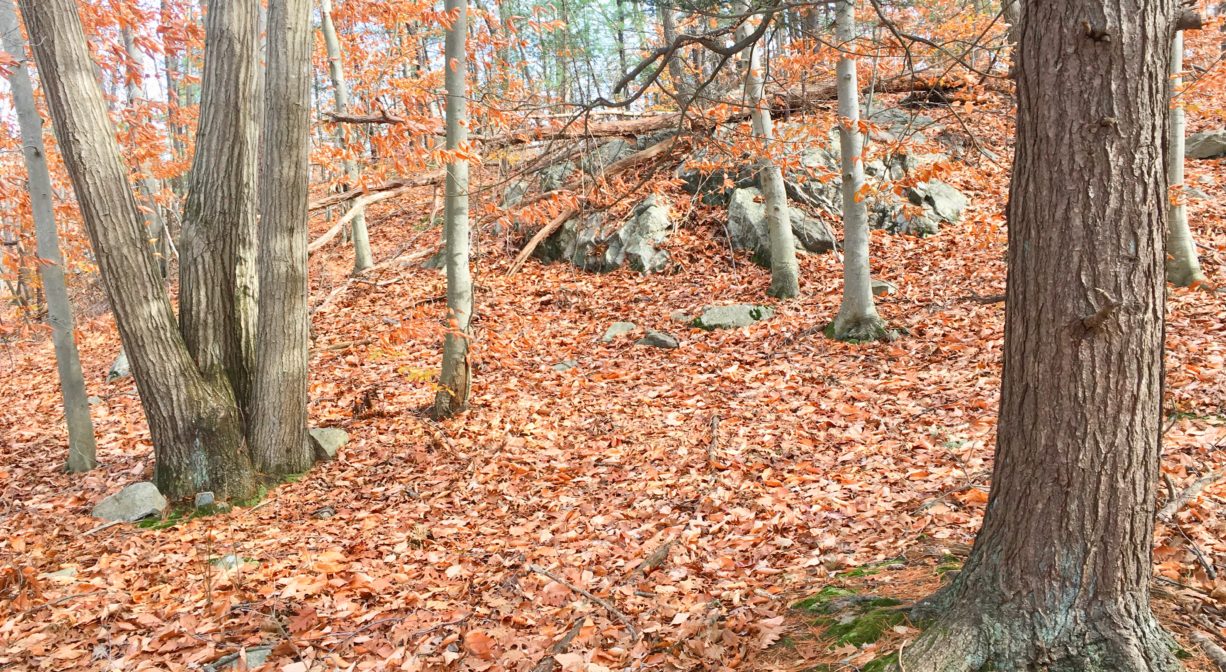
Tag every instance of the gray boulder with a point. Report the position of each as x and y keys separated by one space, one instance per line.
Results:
x=883 y=287
x=597 y=161
x=134 y=502
x=617 y=329
x=748 y=230
x=586 y=243
x=327 y=441
x=1207 y=145
x=732 y=317
x=556 y=175
x=943 y=200
x=658 y=339
x=119 y=368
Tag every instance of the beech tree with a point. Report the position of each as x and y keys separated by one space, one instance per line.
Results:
x=857 y=319
x=81 y=446
x=340 y=96
x=785 y=273
x=1183 y=264
x=1059 y=575
x=454 y=378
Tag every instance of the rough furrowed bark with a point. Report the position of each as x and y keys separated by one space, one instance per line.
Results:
x=217 y=274
x=81 y=446
x=197 y=438
x=455 y=377
x=1059 y=575
x=278 y=425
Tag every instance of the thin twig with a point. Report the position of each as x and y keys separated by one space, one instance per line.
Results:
x=608 y=606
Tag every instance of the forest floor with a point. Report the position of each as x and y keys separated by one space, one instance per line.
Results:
x=686 y=499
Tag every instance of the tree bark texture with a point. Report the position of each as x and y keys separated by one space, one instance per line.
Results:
x=278 y=429
x=1059 y=575
x=340 y=91
x=454 y=379
x=81 y=447
x=785 y=273
x=217 y=275
x=195 y=426
x=857 y=319
x=1182 y=263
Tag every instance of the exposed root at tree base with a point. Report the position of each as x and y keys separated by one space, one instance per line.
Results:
x=865 y=330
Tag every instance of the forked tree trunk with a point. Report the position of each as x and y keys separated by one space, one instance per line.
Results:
x=81 y=447
x=454 y=379
x=278 y=426
x=340 y=92
x=217 y=273
x=1060 y=571
x=196 y=428
x=785 y=273
x=1182 y=263
x=857 y=319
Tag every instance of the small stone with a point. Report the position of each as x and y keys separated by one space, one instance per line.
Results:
x=134 y=502
x=205 y=500
x=732 y=317
x=65 y=573
x=323 y=512
x=884 y=288
x=119 y=368
x=658 y=339
x=1207 y=179
x=565 y=365
x=93 y=400
x=1193 y=192
x=327 y=441
x=1206 y=145
x=617 y=329
x=680 y=316
x=228 y=561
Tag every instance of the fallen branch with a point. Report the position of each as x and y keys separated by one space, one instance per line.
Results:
x=608 y=606
x=540 y=236
x=1212 y=651
x=358 y=206
x=1177 y=502
x=422 y=180
x=547 y=662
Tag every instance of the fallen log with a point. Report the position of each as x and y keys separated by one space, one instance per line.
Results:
x=358 y=205
x=421 y=180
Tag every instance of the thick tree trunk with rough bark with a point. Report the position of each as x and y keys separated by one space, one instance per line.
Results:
x=454 y=379
x=857 y=319
x=81 y=447
x=785 y=273
x=1059 y=575
x=195 y=425
x=278 y=425
x=1182 y=263
x=340 y=91
x=217 y=275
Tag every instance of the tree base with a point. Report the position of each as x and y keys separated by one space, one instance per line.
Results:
x=784 y=288
x=978 y=637
x=860 y=330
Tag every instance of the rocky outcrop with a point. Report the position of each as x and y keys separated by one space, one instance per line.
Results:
x=636 y=243
x=748 y=229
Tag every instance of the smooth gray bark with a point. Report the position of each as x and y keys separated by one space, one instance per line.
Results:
x=81 y=446
x=148 y=185
x=857 y=319
x=278 y=425
x=340 y=95
x=1182 y=263
x=454 y=379
x=195 y=425
x=785 y=273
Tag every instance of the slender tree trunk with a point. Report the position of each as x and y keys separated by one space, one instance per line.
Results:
x=676 y=68
x=196 y=427
x=147 y=184
x=279 y=422
x=785 y=273
x=217 y=276
x=621 y=38
x=1059 y=575
x=454 y=380
x=1182 y=264
x=857 y=319
x=340 y=92
x=174 y=129
x=81 y=448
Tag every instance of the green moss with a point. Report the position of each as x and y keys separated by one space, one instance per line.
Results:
x=1182 y=653
x=881 y=664
x=866 y=628
x=172 y=518
x=258 y=497
x=819 y=603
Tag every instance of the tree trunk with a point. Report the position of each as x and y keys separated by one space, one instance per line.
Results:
x=1182 y=264
x=857 y=319
x=81 y=447
x=196 y=428
x=785 y=274
x=147 y=183
x=278 y=428
x=454 y=379
x=361 y=239
x=1059 y=575
x=217 y=276
x=676 y=65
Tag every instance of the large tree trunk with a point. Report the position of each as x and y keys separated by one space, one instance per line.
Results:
x=1182 y=265
x=340 y=92
x=278 y=428
x=785 y=274
x=1059 y=575
x=195 y=426
x=454 y=379
x=217 y=276
x=857 y=319
x=81 y=447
